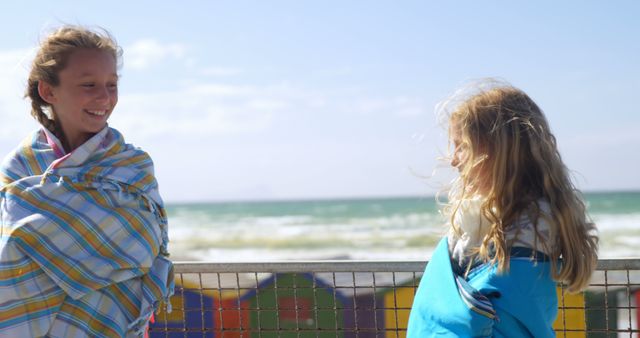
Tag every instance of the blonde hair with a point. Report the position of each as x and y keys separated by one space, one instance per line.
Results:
x=52 y=57
x=508 y=139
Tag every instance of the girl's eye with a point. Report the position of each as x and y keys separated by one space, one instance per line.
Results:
x=87 y=85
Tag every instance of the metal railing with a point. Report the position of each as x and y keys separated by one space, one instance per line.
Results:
x=359 y=299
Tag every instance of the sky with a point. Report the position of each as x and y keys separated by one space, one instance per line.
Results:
x=263 y=100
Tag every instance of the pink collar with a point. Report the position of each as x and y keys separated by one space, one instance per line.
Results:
x=54 y=143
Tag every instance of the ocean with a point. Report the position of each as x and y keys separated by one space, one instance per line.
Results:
x=362 y=229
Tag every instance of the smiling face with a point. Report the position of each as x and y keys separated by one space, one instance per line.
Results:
x=85 y=96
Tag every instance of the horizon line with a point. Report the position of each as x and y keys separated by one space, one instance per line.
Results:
x=358 y=198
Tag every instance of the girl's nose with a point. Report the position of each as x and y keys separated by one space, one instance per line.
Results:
x=104 y=94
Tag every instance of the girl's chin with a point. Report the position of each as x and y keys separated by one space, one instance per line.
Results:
x=97 y=127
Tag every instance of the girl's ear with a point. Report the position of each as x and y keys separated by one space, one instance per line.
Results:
x=46 y=92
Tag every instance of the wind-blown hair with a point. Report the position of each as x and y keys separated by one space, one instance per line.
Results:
x=508 y=140
x=52 y=57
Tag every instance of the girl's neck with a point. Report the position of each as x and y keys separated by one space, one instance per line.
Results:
x=73 y=141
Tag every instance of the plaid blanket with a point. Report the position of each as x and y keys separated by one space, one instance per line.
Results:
x=83 y=239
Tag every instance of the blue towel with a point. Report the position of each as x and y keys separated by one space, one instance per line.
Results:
x=519 y=303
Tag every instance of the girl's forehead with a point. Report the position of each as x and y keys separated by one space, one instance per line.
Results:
x=87 y=62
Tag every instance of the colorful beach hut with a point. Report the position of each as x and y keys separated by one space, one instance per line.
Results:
x=186 y=318
x=621 y=314
x=202 y=311
x=364 y=314
x=294 y=305
x=307 y=305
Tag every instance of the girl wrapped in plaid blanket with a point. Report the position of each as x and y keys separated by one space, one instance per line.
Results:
x=83 y=230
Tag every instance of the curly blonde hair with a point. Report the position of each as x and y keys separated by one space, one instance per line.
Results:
x=507 y=136
x=52 y=57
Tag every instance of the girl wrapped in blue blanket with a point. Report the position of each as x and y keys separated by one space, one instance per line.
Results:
x=517 y=224
x=83 y=230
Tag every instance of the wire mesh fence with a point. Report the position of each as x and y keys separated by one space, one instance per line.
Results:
x=359 y=299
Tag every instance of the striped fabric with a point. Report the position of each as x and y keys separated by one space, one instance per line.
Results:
x=476 y=301
x=83 y=239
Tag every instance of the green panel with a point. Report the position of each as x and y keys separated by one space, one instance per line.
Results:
x=597 y=317
x=277 y=300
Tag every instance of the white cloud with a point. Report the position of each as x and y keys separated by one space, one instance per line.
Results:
x=409 y=106
x=221 y=90
x=206 y=109
x=14 y=65
x=14 y=110
x=607 y=137
x=221 y=71
x=14 y=58
x=268 y=104
x=146 y=53
x=196 y=110
x=399 y=106
x=335 y=72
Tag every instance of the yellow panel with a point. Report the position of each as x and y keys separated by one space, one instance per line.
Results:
x=572 y=318
x=398 y=304
x=177 y=313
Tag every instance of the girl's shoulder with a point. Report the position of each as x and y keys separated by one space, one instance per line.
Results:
x=533 y=229
x=29 y=158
